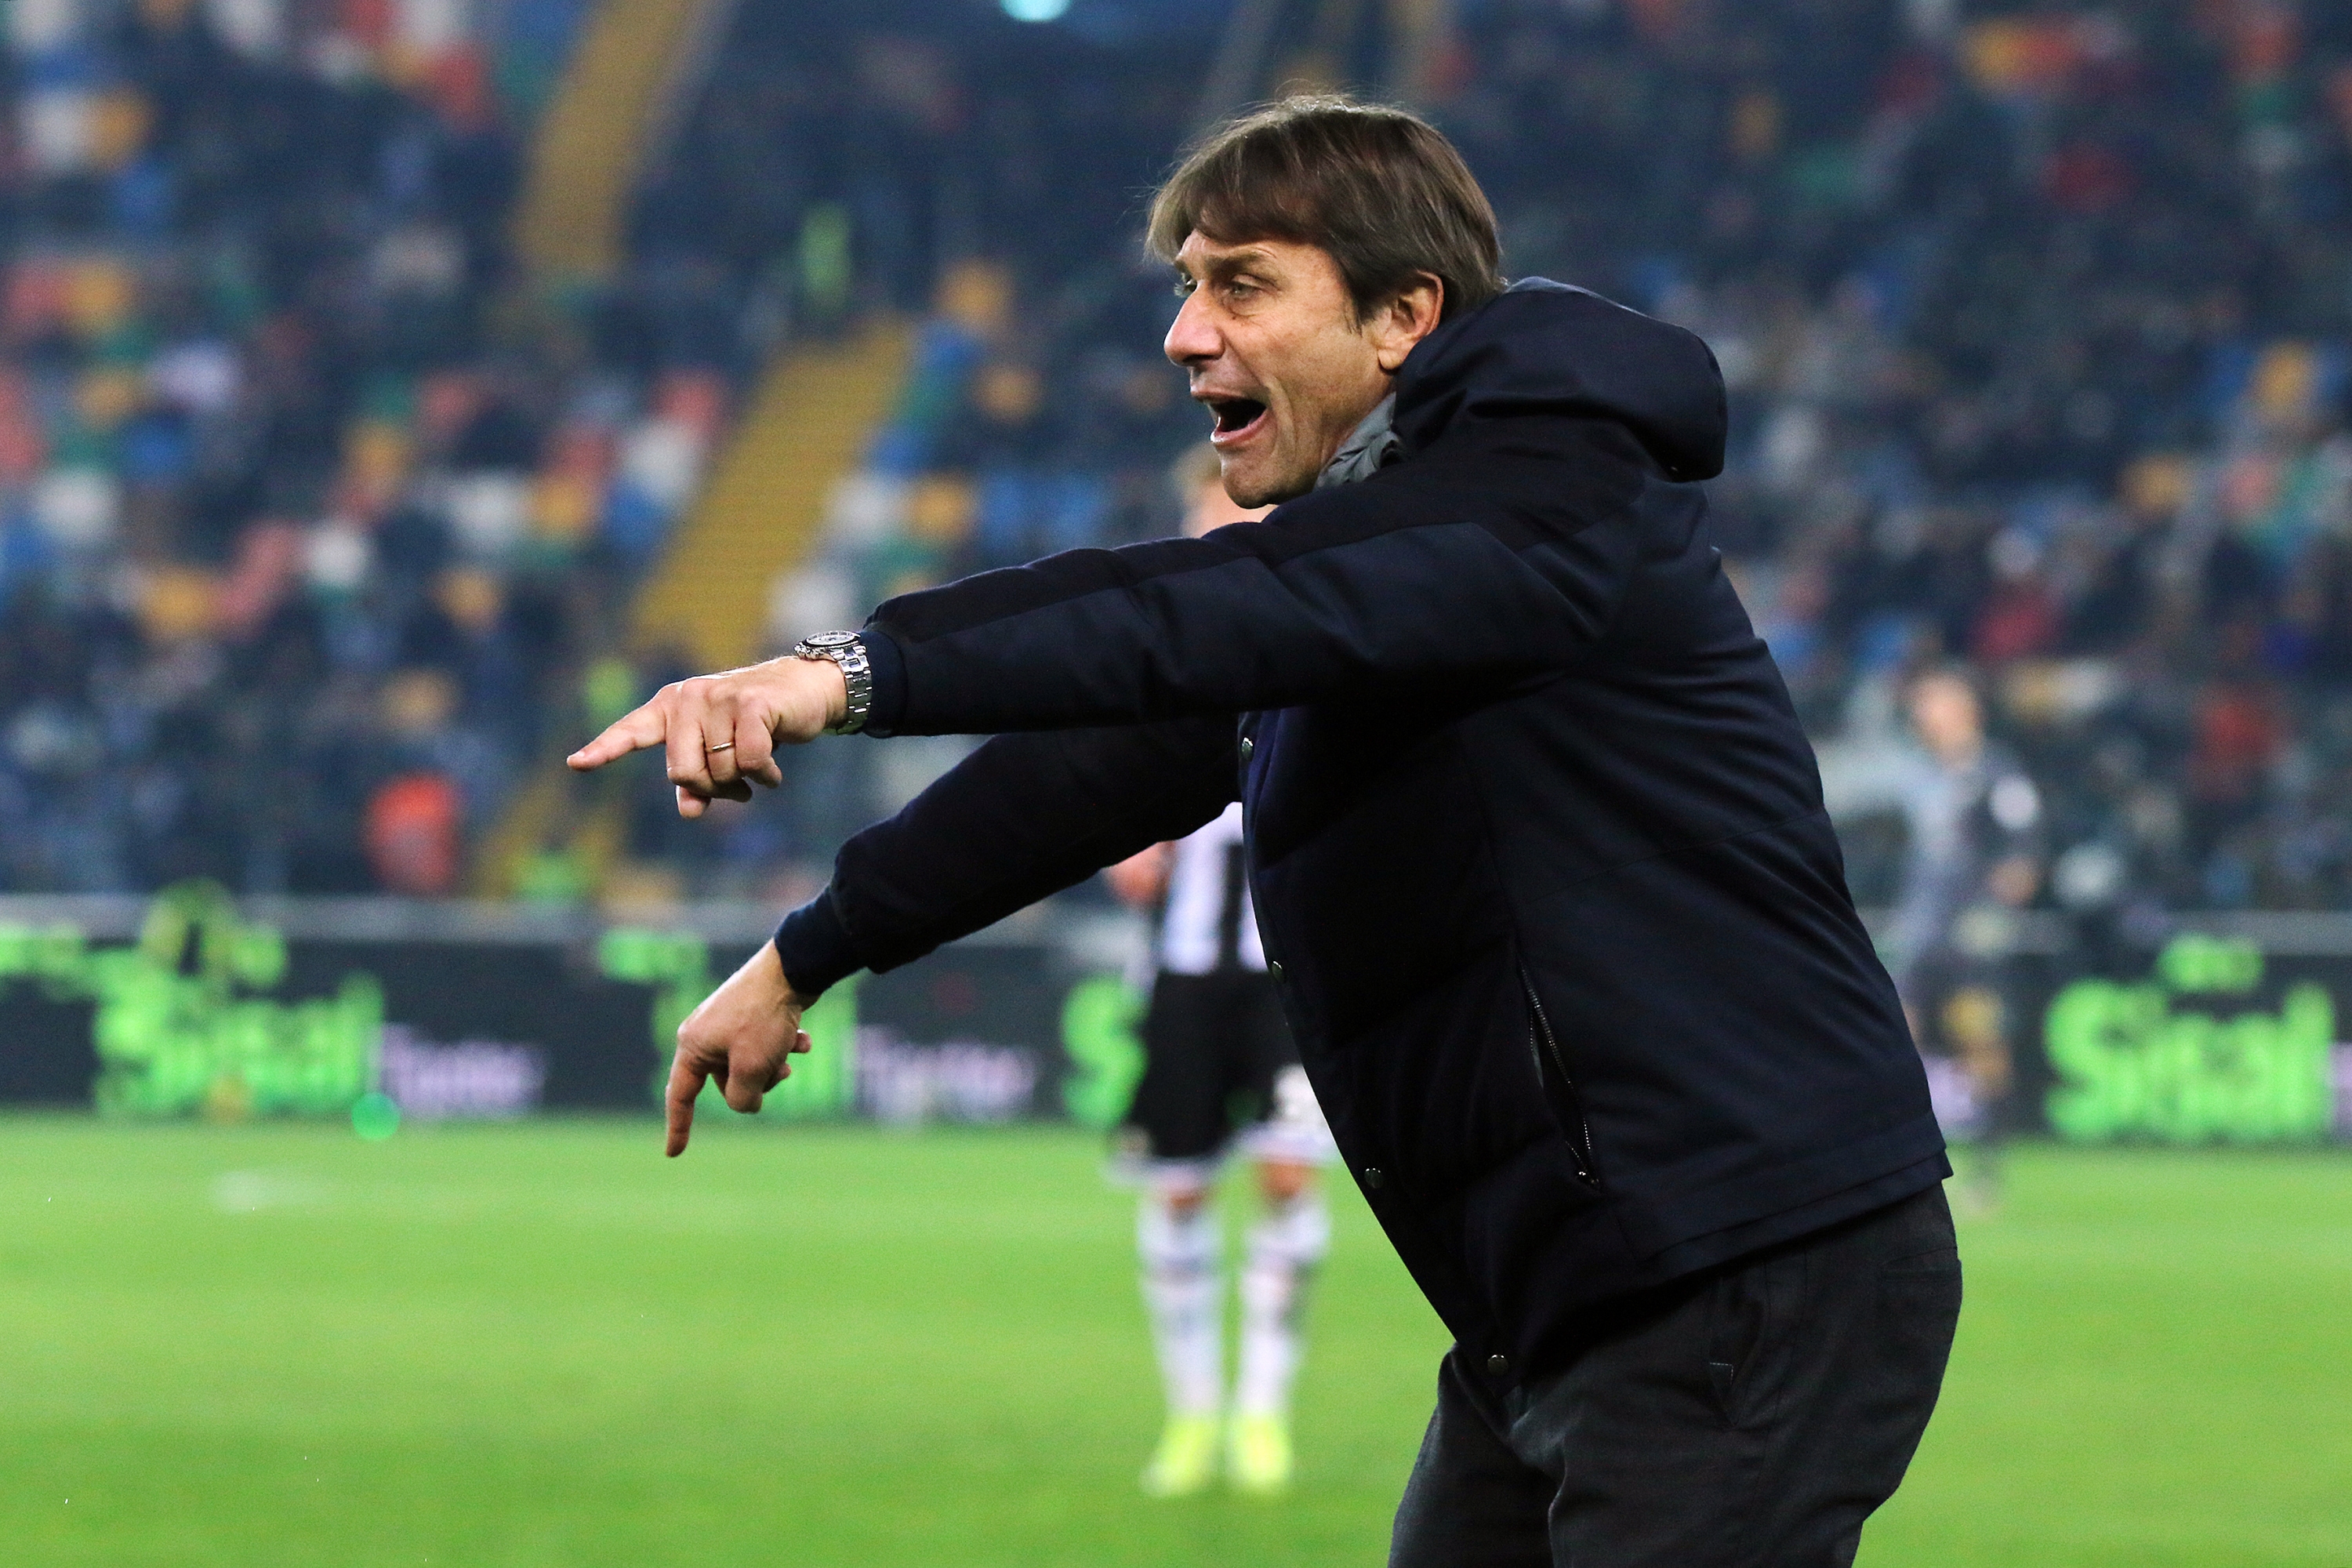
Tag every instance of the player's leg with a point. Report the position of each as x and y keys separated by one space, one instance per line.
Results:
x=1179 y=1245
x=1956 y=1017
x=1171 y=1139
x=1976 y=1024
x=1284 y=1248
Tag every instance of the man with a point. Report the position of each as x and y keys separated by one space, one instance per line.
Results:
x=1219 y=1071
x=1974 y=854
x=1536 y=848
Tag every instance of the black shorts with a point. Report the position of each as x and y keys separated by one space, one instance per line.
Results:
x=1213 y=1046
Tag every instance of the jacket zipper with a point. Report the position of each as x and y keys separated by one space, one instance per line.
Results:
x=1542 y=1045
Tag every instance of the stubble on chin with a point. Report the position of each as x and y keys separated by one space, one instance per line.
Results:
x=1242 y=487
x=1256 y=490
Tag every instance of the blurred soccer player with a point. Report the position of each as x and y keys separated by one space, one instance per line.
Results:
x=1219 y=1074
x=1537 y=846
x=1975 y=854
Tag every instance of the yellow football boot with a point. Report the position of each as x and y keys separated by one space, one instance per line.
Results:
x=1257 y=1454
x=1186 y=1460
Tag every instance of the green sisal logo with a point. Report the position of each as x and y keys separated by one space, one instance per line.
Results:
x=2182 y=1057
x=1099 y=1018
x=677 y=964
x=182 y=1021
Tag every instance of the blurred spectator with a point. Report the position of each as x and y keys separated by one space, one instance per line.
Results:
x=412 y=835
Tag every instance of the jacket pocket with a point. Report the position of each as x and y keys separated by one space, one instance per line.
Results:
x=1560 y=1086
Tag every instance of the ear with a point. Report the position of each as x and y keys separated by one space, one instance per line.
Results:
x=1410 y=315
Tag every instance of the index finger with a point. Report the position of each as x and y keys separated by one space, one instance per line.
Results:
x=633 y=732
x=685 y=1081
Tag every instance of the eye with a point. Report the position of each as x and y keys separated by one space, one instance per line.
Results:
x=1185 y=286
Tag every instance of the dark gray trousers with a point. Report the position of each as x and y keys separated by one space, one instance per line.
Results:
x=1749 y=1418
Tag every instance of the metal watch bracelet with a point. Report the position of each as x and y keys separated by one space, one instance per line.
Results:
x=847 y=650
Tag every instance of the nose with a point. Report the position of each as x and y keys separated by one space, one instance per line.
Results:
x=1193 y=337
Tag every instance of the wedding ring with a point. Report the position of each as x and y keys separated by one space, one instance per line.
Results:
x=722 y=746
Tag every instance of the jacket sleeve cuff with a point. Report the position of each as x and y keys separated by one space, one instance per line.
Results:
x=815 y=947
x=887 y=662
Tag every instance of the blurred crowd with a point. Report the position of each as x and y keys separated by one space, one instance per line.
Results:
x=2035 y=319
x=316 y=514
x=310 y=502
x=986 y=179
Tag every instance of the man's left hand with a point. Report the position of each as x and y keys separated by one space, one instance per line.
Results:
x=742 y=1037
x=721 y=732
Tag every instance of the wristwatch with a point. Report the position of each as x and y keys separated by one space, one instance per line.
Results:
x=847 y=649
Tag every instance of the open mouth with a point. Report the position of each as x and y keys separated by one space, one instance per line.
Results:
x=1236 y=417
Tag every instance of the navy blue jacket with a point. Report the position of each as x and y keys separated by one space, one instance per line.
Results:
x=1534 y=837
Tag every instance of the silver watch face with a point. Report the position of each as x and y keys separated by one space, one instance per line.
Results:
x=831 y=639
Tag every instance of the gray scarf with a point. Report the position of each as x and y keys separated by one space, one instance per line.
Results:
x=1368 y=448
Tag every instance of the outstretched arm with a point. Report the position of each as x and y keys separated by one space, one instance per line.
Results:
x=1479 y=568
x=1023 y=816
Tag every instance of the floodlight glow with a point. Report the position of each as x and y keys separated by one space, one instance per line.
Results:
x=1035 y=10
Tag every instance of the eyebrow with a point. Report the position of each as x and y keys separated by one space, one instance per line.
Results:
x=1227 y=261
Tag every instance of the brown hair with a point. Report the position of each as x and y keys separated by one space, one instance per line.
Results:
x=1380 y=190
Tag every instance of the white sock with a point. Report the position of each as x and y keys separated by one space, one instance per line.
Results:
x=1184 y=1290
x=1284 y=1248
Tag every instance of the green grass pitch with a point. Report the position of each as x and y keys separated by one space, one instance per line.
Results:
x=543 y=1345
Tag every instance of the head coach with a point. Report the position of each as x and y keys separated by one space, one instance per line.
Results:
x=1537 y=846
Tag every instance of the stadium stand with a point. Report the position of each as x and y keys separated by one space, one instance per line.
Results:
x=2077 y=412
x=2076 y=415
x=312 y=498
x=326 y=511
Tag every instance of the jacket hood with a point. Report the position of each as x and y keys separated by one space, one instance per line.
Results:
x=1541 y=347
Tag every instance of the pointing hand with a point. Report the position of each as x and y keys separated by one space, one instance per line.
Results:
x=742 y=1037
x=721 y=732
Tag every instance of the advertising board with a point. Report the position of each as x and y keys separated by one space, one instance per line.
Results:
x=193 y=1006
x=191 y=1003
